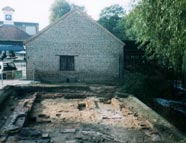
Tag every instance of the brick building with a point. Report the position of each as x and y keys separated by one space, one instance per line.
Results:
x=11 y=37
x=30 y=28
x=74 y=49
x=12 y=34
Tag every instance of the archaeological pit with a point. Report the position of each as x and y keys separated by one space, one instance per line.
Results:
x=79 y=114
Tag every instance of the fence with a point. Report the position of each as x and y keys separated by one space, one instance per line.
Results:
x=15 y=74
x=21 y=66
x=15 y=77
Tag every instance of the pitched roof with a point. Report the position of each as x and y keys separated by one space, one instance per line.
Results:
x=8 y=8
x=12 y=33
x=69 y=14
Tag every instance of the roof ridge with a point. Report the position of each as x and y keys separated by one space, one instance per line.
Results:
x=49 y=26
x=100 y=26
x=67 y=15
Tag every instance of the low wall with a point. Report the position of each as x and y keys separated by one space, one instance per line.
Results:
x=5 y=94
x=158 y=121
x=71 y=76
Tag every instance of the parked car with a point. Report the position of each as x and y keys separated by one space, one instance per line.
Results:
x=8 y=67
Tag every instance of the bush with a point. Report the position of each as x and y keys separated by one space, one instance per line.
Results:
x=146 y=86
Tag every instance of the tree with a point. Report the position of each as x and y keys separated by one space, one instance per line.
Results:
x=82 y=8
x=130 y=31
x=163 y=24
x=58 y=9
x=112 y=18
x=61 y=7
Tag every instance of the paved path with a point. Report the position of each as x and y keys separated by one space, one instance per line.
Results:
x=13 y=82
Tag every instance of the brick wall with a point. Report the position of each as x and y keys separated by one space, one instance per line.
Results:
x=96 y=52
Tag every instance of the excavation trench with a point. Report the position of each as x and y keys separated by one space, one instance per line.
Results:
x=73 y=115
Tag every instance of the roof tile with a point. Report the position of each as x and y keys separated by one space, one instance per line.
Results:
x=12 y=33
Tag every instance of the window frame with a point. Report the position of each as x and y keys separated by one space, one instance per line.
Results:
x=8 y=17
x=67 y=63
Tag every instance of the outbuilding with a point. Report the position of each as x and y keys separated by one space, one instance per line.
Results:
x=75 y=49
x=11 y=37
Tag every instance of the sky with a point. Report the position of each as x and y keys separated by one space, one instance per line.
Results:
x=39 y=10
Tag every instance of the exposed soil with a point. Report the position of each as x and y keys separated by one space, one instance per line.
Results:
x=71 y=115
x=86 y=120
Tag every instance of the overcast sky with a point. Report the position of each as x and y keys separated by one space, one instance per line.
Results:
x=39 y=10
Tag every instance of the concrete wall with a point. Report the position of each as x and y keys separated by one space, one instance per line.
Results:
x=97 y=53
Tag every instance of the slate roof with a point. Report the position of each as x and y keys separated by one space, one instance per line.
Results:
x=12 y=33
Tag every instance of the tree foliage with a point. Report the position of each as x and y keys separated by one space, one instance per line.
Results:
x=61 y=7
x=112 y=18
x=163 y=24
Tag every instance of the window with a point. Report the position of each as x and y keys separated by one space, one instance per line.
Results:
x=31 y=30
x=8 y=17
x=67 y=63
